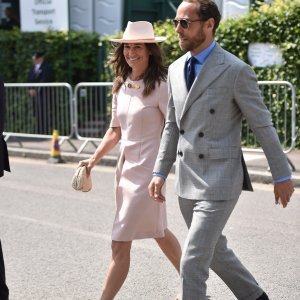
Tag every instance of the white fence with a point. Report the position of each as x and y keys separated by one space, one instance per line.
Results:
x=280 y=99
x=84 y=113
x=35 y=109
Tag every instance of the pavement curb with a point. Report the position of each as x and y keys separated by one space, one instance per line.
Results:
x=264 y=177
x=67 y=157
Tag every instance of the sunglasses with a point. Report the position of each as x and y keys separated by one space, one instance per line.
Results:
x=184 y=23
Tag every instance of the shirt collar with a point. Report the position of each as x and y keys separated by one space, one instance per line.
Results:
x=203 y=55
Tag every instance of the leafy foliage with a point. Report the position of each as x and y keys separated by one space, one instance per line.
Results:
x=80 y=57
x=276 y=23
x=73 y=56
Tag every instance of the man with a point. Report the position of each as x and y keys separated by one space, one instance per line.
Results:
x=4 y=166
x=41 y=72
x=11 y=20
x=203 y=132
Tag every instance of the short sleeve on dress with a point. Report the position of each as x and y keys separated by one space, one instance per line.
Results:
x=163 y=97
x=114 y=119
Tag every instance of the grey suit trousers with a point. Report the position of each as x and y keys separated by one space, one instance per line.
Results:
x=206 y=247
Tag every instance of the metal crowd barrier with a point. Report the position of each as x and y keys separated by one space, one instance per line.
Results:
x=33 y=110
x=92 y=119
x=280 y=99
x=85 y=114
x=276 y=95
x=92 y=104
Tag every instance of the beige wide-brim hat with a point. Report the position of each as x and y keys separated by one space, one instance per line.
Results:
x=139 y=32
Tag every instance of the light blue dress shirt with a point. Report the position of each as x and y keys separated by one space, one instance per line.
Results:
x=201 y=57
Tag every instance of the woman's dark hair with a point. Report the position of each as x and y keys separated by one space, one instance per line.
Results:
x=156 y=71
x=208 y=9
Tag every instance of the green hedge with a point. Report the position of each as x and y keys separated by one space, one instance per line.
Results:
x=73 y=56
x=78 y=56
x=277 y=23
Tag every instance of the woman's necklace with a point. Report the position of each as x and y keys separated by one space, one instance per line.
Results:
x=132 y=85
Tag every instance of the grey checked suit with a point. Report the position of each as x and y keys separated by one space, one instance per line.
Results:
x=203 y=135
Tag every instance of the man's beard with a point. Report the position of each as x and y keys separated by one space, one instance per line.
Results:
x=193 y=44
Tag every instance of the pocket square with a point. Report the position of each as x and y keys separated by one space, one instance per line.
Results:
x=80 y=180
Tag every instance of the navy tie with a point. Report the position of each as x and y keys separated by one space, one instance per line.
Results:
x=190 y=72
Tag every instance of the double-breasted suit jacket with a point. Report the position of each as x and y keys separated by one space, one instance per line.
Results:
x=203 y=128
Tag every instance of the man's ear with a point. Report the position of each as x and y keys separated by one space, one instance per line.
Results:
x=210 y=23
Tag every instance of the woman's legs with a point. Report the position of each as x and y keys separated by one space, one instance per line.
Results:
x=171 y=248
x=120 y=262
x=118 y=269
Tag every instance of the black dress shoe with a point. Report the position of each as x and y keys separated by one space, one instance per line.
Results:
x=263 y=297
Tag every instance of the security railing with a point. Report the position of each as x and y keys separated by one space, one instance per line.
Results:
x=84 y=115
x=280 y=99
x=35 y=109
x=92 y=103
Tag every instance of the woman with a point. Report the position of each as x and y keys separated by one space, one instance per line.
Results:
x=139 y=106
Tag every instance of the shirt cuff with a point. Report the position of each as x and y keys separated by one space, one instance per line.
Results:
x=282 y=179
x=159 y=175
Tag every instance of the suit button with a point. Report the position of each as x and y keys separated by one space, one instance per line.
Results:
x=212 y=111
x=180 y=153
x=181 y=131
x=201 y=134
x=201 y=156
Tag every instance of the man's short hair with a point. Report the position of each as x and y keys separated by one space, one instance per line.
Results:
x=37 y=53
x=208 y=9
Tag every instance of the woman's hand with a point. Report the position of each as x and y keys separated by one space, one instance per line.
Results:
x=88 y=163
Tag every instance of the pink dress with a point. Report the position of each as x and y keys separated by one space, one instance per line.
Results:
x=141 y=120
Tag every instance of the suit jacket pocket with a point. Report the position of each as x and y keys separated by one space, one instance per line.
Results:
x=217 y=91
x=226 y=152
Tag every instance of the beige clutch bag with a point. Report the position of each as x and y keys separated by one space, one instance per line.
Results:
x=80 y=180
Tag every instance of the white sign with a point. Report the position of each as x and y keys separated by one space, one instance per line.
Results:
x=44 y=15
x=264 y=54
x=235 y=8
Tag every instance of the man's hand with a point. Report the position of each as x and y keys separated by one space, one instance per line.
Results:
x=155 y=189
x=283 y=192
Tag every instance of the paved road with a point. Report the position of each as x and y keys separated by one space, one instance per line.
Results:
x=56 y=241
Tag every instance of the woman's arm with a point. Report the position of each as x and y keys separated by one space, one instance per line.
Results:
x=109 y=141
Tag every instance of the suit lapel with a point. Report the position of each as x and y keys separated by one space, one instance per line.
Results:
x=179 y=84
x=214 y=66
